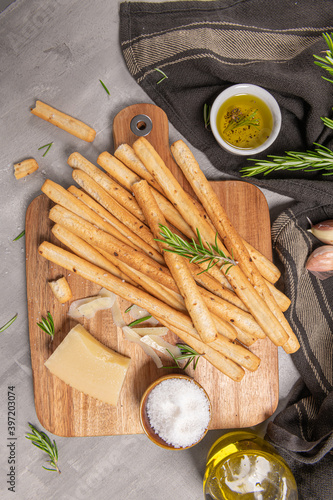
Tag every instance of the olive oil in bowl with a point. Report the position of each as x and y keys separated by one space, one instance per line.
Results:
x=244 y=121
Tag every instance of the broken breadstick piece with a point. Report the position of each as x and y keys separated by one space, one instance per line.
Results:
x=63 y=121
x=61 y=290
x=25 y=167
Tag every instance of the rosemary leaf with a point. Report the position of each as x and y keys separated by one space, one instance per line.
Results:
x=195 y=252
x=105 y=87
x=327 y=121
x=48 y=146
x=206 y=114
x=188 y=353
x=20 y=235
x=164 y=76
x=243 y=120
x=129 y=308
x=44 y=443
x=326 y=62
x=138 y=321
x=7 y=325
x=47 y=325
x=321 y=159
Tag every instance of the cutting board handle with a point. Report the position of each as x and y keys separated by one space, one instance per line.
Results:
x=150 y=121
x=146 y=120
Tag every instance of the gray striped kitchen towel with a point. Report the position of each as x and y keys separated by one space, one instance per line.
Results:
x=205 y=46
x=303 y=431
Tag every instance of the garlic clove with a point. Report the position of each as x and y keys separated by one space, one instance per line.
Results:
x=323 y=231
x=320 y=262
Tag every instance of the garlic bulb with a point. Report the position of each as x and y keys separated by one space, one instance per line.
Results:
x=323 y=231
x=320 y=262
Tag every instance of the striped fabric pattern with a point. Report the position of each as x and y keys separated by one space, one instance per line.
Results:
x=204 y=47
x=305 y=428
x=229 y=43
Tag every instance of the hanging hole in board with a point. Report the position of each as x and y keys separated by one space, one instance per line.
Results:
x=141 y=125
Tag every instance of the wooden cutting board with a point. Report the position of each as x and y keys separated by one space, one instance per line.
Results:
x=67 y=412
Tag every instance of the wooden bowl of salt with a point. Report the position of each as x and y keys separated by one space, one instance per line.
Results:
x=175 y=412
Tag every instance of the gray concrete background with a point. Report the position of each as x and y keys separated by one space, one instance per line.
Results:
x=57 y=51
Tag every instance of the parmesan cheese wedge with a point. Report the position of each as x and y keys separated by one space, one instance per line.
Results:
x=85 y=364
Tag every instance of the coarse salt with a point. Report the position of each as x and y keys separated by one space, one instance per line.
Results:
x=178 y=411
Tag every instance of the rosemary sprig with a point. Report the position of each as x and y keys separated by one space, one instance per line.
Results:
x=19 y=235
x=48 y=146
x=311 y=161
x=186 y=353
x=7 y=325
x=43 y=442
x=327 y=121
x=326 y=62
x=47 y=325
x=105 y=87
x=164 y=76
x=129 y=308
x=206 y=115
x=240 y=120
x=197 y=253
x=138 y=321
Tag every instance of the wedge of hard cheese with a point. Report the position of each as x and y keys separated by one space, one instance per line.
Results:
x=87 y=365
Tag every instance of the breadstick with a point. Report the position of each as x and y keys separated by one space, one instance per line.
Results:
x=267 y=269
x=230 y=350
x=127 y=178
x=224 y=365
x=127 y=156
x=117 y=192
x=118 y=170
x=213 y=286
x=242 y=287
x=161 y=292
x=245 y=338
x=132 y=257
x=87 y=252
x=123 y=233
x=66 y=199
x=227 y=232
x=63 y=121
x=232 y=314
x=25 y=167
x=166 y=314
x=282 y=300
x=167 y=295
x=61 y=290
x=237 y=353
x=104 y=241
x=111 y=205
x=153 y=306
x=177 y=265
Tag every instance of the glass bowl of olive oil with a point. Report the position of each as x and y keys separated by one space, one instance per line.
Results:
x=245 y=119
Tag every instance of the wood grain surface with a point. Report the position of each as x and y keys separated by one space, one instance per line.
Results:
x=67 y=412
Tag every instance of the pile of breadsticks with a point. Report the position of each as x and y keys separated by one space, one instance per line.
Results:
x=111 y=224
